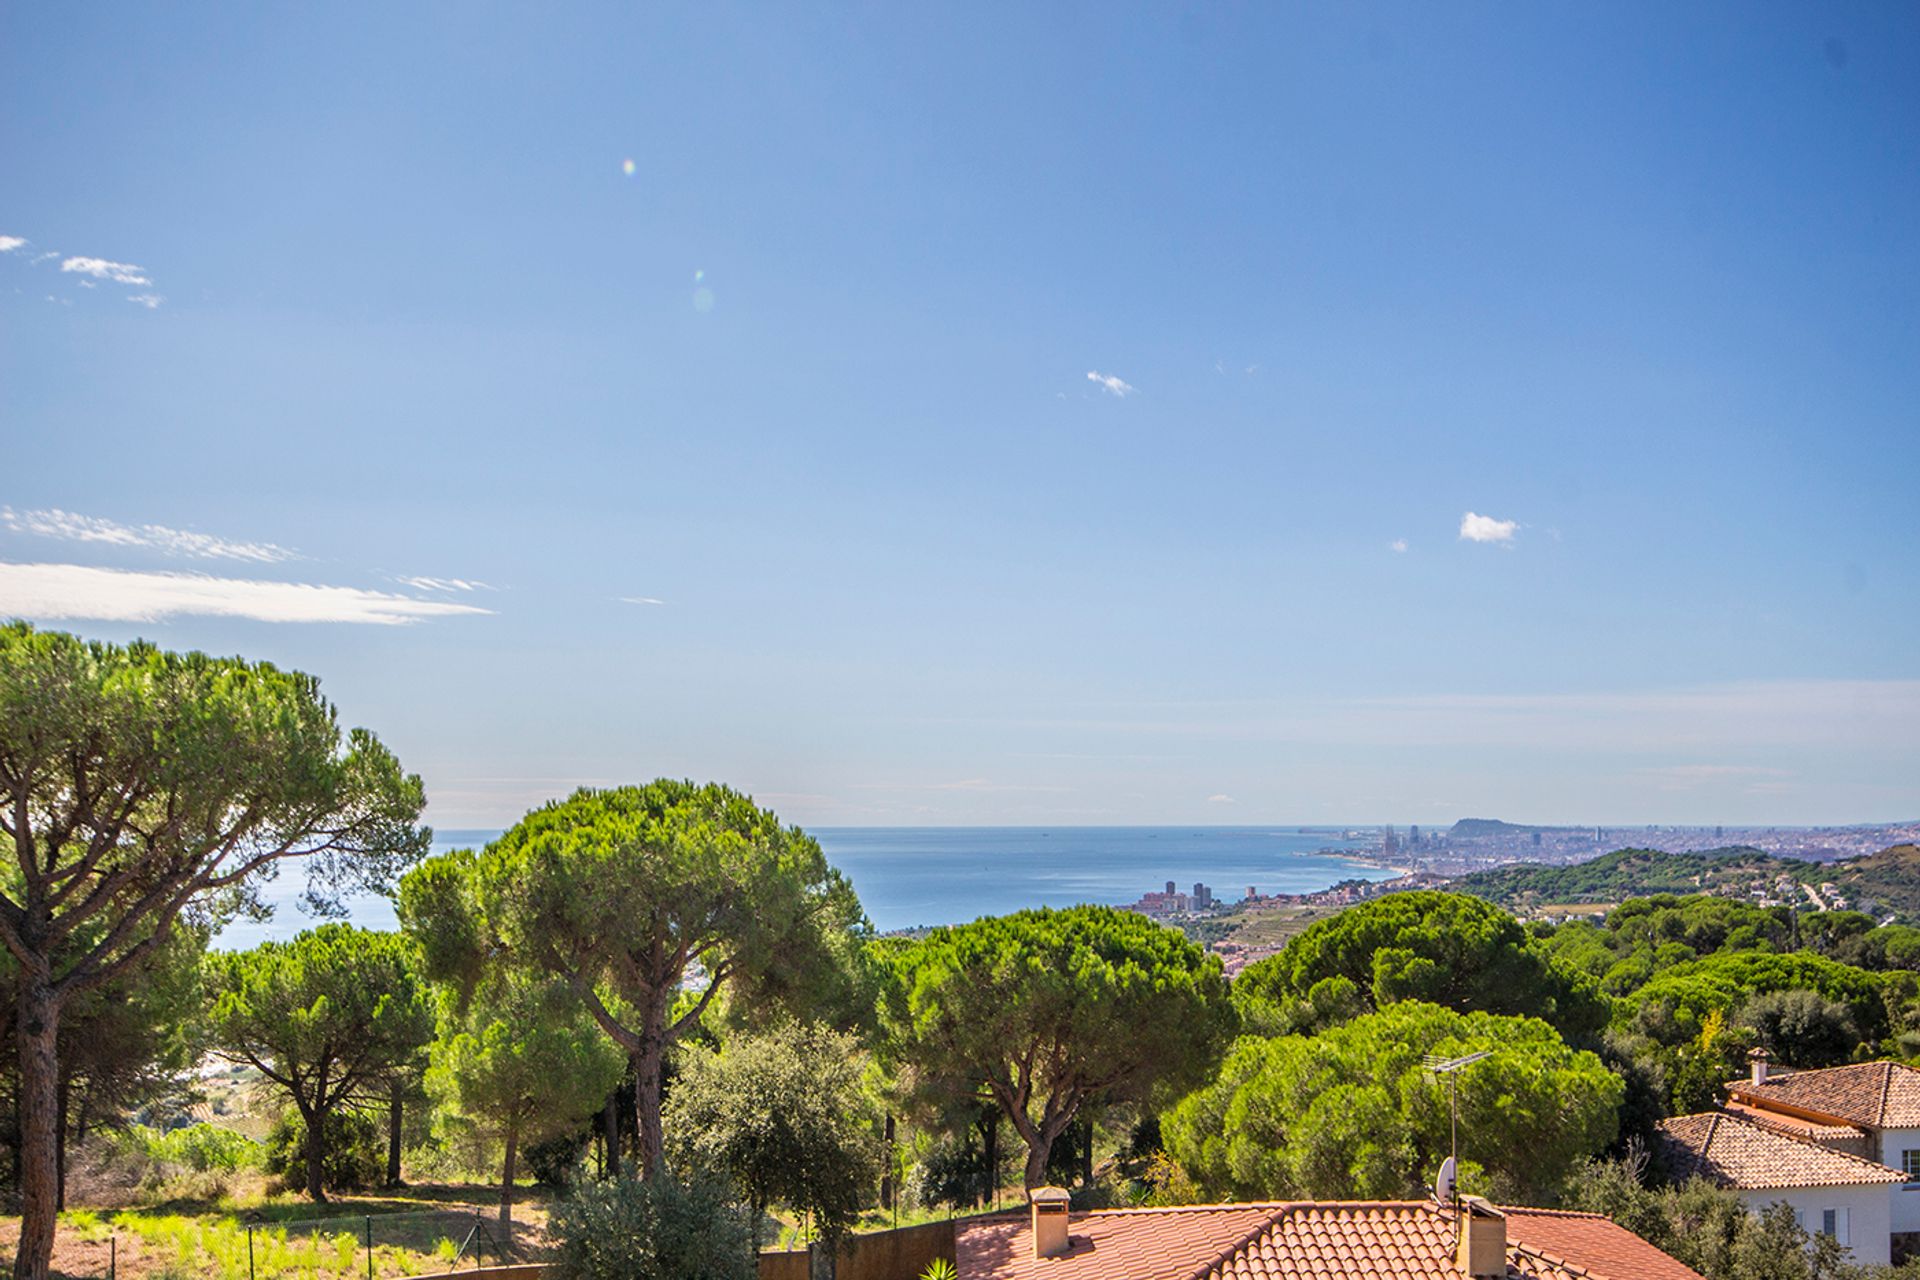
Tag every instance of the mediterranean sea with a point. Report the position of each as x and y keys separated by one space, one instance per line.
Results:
x=908 y=876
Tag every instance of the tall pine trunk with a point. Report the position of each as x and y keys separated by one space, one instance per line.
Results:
x=506 y=1179
x=394 y=1104
x=647 y=1065
x=316 y=1157
x=39 y=1032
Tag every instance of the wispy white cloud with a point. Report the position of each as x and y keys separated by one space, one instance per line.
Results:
x=48 y=256
x=444 y=584
x=641 y=600
x=119 y=595
x=72 y=527
x=1112 y=385
x=151 y=301
x=1220 y=798
x=1398 y=544
x=9 y=243
x=106 y=269
x=1479 y=528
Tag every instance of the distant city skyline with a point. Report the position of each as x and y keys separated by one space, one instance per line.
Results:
x=996 y=415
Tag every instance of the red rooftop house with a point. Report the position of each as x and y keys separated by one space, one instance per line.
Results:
x=1380 y=1240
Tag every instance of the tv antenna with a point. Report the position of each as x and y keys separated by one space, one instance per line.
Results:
x=1446 y=1186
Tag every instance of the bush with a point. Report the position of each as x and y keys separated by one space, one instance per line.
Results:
x=557 y=1161
x=356 y=1152
x=659 y=1229
x=201 y=1148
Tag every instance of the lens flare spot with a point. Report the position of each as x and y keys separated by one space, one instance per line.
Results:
x=698 y=276
x=626 y=167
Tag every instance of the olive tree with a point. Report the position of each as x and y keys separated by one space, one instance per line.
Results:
x=140 y=788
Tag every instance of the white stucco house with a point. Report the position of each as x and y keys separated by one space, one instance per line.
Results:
x=1831 y=1192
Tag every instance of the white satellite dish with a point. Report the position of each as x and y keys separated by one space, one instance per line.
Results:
x=1443 y=1182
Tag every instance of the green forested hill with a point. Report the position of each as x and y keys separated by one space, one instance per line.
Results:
x=1881 y=884
x=1627 y=873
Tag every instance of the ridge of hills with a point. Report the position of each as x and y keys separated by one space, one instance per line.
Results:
x=1884 y=884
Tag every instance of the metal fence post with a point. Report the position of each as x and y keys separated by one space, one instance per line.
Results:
x=369 y=1247
x=249 y=1251
x=113 y=1257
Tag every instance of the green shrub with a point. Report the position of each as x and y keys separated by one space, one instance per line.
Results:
x=356 y=1156
x=202 y=1148
x=658 y=1229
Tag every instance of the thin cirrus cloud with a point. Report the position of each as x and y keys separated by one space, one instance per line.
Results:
x=90 y=272
x=62 y=591
x=1220 y=798
x=1398 y=544
x=641 y=600
x=72 y=527
x=1479 y=528
x=443 y=584
x=1113 y=386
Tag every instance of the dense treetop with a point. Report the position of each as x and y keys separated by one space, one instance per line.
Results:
x=1443 y=948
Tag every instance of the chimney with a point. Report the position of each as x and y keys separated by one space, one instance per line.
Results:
x=1049 y=1222
x=1757 y=1057
x=1483 y=1240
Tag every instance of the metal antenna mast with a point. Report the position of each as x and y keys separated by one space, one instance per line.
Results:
x=1447 y=1187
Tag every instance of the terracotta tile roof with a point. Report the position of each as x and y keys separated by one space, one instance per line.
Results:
x=1739 y=1153
x=1403 y=1240
x=1124 y=1244
x=1880 y=1095
x=1844 y=1137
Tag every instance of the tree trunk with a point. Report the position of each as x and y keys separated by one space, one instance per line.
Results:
x=506 y=1179
x=990 y=1194
x=394 y=1105
x=1086 y=1151
x=39 y=1032
x=316 y=1158
x=886 y=1179
x=613 y=1135
x=60 y=1145
x=646 y=1101
x=1037 y=1153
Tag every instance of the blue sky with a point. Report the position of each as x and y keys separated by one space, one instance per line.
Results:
x=1053 y=414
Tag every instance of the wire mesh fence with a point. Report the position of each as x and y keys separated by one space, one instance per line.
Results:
x=381 y=1246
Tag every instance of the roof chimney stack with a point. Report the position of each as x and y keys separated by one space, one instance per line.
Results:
x=1757 y=1057
x=1049 y=1221
x=1483 y=1240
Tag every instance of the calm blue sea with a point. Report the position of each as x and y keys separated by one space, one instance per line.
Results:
x=908 y=876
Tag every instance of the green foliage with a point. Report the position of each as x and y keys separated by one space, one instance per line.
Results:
x=353 y=1154
x=622 y=893
x=786 y=1116
x=656 y=1229
x=1623 y=874
x=199 y=1148
x=1046 y=1012
x=1708 y=1228
x=1801 y=1028
x=1352 y=1114
x=522 y=1064
x=1673 y=1006
x=327 y=1018
x=1441 y=948
x=153 y=789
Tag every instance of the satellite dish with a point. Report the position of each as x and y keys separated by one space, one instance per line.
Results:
x=1443 y=1182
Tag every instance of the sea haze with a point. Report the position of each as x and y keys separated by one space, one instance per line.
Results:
x=909 y=876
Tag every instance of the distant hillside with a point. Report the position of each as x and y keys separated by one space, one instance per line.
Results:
x=1488 y=828
x=1627 y=873
x=1882 y=884
x=1887 y=882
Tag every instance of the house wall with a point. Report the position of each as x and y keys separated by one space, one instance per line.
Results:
x=1894 y=1141
x=1868 y=1222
